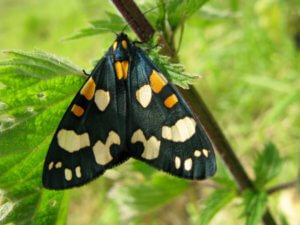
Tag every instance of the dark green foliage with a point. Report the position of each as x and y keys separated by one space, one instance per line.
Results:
x=267 y=165
x=254 y=203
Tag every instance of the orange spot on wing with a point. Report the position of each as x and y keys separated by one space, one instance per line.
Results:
x=88 y=89
x=77 y=110
x=157 y=82
x=171 y=101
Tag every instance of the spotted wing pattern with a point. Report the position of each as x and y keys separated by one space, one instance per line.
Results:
x=162 y=130
x=91 y=135
x=126 y=108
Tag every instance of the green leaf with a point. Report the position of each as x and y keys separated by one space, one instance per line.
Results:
x=267 y=165
x=255 y=203
x=37 y=89
x=142 y=198
x=178 y=11
x=114 y=23
x=174 y=72
x=213 y=204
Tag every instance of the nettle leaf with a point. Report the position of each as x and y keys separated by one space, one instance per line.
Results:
x=255 y=203
x=37 y=87
x=174 y=72
x=142 y=198
x=267 y=165
x=212 y=205
x=114 y=23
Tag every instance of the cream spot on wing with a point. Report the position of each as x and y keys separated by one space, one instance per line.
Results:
x=197 y=153
x=58 y=165
x=188 y=163
x=102 y=99
x=102 y=151
x=71 y=142
x=50 y=166
x=151 y=146
x=181 y=131
x=143 y=95
x=68 y=174
x=177 y=162
x=205 y=152
x=78 y=171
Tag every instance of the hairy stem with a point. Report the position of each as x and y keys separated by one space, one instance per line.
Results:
x=198 y=105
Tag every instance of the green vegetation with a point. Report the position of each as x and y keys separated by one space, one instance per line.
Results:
x=247 y=57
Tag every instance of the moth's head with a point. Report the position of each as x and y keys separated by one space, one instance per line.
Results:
x=120 y=47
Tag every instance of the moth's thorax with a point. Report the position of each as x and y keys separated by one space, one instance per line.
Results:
x=120 y=54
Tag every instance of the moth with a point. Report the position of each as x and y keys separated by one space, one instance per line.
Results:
x=127 y=108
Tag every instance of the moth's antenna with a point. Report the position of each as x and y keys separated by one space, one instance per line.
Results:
x=149 y=10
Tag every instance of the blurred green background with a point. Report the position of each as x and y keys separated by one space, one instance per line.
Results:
x=247 y=53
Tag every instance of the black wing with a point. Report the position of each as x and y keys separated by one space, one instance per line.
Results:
x=162 y=130
x=91 y=135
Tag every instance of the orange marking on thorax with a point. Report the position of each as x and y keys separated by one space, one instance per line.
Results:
x=121 y=69
x=157 y=81
x=171 y=101
x=88 y=89
x=124 y=44
x=77 y=110
x=125 y=68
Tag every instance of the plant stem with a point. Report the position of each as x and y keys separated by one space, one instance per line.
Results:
x=197 y=104
x=281 y=187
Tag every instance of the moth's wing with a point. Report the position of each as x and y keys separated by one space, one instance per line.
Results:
x=91 y=135
x=162 y=129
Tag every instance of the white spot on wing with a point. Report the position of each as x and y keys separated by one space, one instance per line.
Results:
x=181 y=131
x=50 y=166
x=58 y=165
x=151 y=146
x=143 y=95
x=102 y=151
x=72 y=142
x=188 y=163
x=68 y=174
x=78 y=171
x=205 y=152
x=177 y=162
x=102 y=99
x=197 y=153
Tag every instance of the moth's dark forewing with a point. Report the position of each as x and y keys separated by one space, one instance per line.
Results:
x=192 y=158
x=69 y=168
